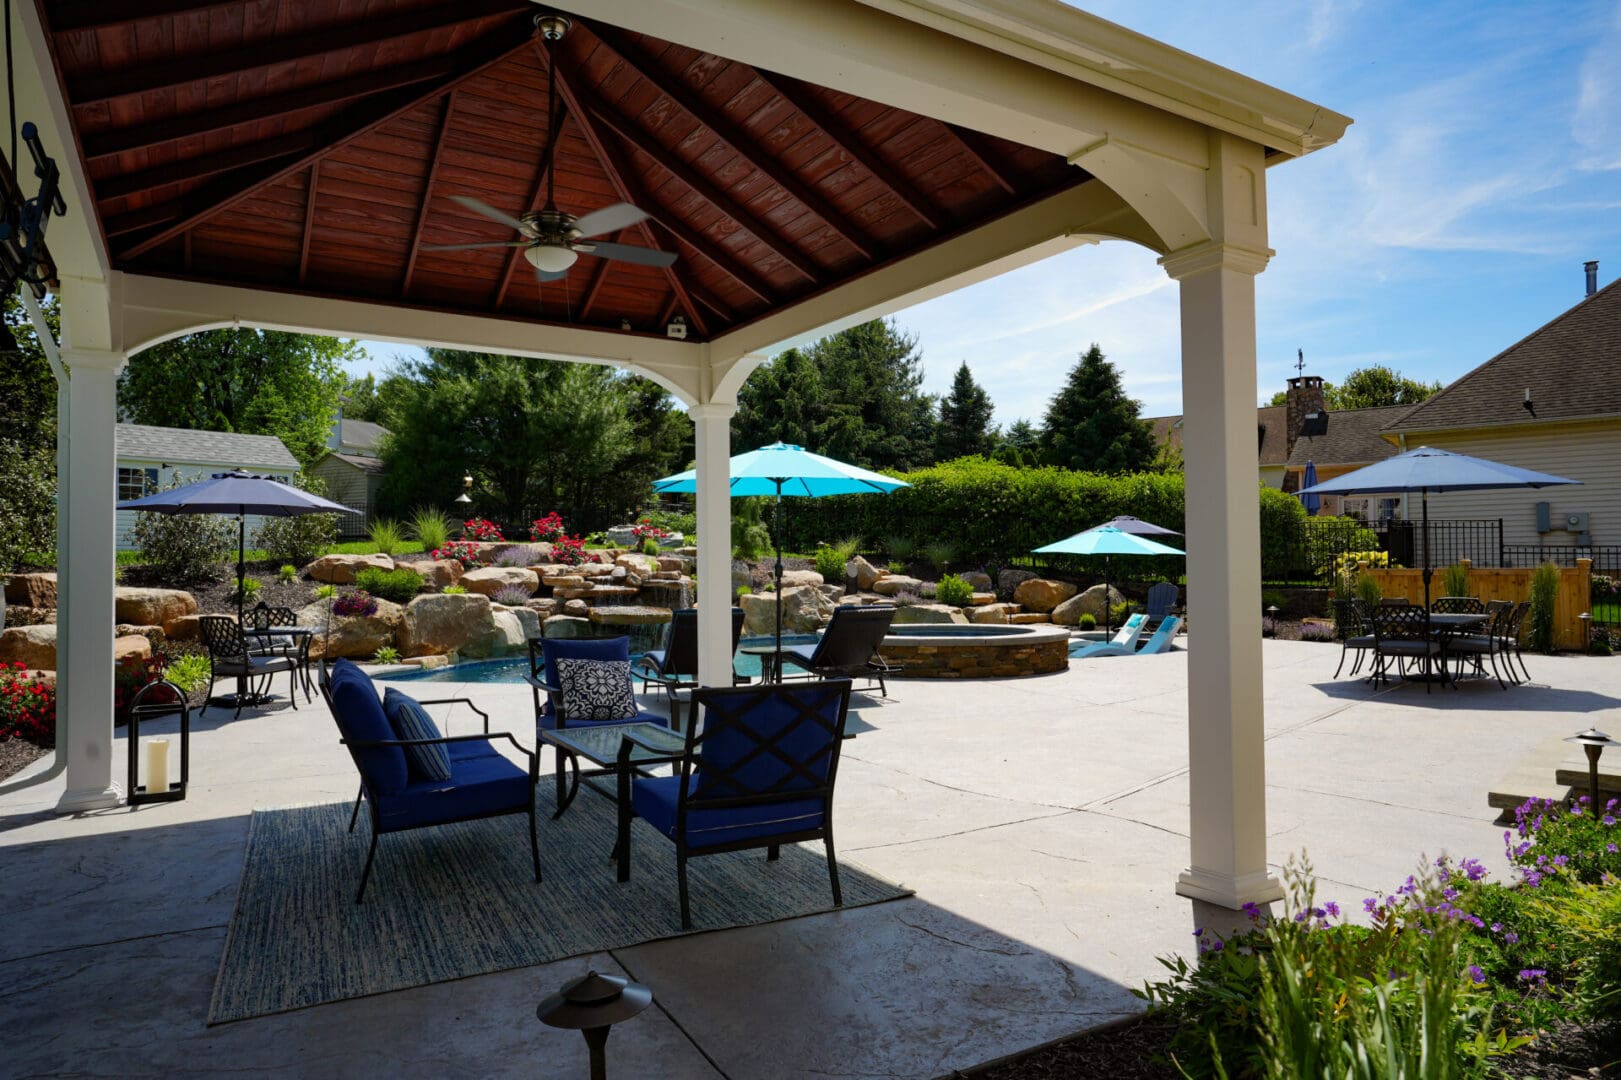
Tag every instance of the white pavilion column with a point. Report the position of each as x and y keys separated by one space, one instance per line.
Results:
x=712 y=434
x=1226 y=732
x=85 y=654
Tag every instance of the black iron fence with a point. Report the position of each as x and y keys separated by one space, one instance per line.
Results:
x=1308 y=552
x=1606 y=557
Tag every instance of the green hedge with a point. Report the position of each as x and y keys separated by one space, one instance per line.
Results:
x=997 y=513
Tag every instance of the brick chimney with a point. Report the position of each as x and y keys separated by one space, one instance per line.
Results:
x=1305 y=396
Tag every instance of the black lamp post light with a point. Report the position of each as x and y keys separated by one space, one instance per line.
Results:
x=591 y=1005
x=1593 y=741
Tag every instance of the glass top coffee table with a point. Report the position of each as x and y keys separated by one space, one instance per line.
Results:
x=599 y=745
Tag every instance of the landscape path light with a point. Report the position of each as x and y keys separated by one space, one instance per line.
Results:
x=591 y=1005
x=1593 y=741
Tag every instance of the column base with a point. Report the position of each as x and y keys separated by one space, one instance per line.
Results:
x=1226 y=891
x=79 y=800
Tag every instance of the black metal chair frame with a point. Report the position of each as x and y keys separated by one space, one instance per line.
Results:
x=263 y=617
x=719 y=706
x=228 y=655
x=1356 y=635
x=680 y=654
x=834 y=657
x=1457 y=605
x=1511 y=638
x=1402 y=626
x=354 y=748
x=1488 y=644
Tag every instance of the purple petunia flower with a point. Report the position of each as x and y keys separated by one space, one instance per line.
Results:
x=1253 y=910
x=1370 y=903
x=1609 y=819
x=1511 y=938
x=1537 y=974
x=1476 y=975
x=1331 y=909
x=1610 y=847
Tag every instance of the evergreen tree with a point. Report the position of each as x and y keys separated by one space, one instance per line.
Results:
x=856 y=395
x=1092 y=426
x=1019 y=445
x=965 y=419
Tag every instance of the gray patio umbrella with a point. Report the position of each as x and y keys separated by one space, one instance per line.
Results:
x=239 y=494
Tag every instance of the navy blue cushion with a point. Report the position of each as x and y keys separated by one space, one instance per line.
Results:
x=485 y=783
x=360 y=717
x=800 y=750
x=411 y=721
x=654 y=801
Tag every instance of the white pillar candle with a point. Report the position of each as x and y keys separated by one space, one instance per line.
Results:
x=157 y=767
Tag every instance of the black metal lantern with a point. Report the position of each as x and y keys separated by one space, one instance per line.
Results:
x=1593 y=741
x=155 y=700
x=591 y=1005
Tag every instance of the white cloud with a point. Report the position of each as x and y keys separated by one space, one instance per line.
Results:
x=1596 y=124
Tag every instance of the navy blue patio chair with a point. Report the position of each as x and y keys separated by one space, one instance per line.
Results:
x=481 y=783
x=1162 y=598
x=759 y=771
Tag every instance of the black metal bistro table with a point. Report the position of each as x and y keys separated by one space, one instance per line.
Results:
x=600 y=745
x=302 y=636
x=770 y=670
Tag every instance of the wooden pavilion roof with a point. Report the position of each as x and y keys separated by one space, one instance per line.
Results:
x=312 y=146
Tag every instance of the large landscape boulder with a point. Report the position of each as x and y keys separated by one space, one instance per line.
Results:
x=341 y=569
x=131 y=647
x=489 y=580
x=153 y=607
x=32 y=590
x=568 y=626
x=804 y=609
x=1042 y=594
x=1008 y=581
x=978 y=580
x=357 y=637
x=438 y=623
x=864 y=572
x=742 y=578
x=436 y=574
x=31 y=646
x=528 y=618
x=895 y=584
x=1089 y=602
x=992 y=613
x=791 y=578
x=189 y=628
x=507 y=637
x=928 y=613
x=636 y=563
x=153 y=634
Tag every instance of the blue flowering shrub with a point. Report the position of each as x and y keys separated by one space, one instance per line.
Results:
x=1439 y=977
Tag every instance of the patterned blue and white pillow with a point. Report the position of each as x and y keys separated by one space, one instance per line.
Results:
x=411 y=721
x=596 y=689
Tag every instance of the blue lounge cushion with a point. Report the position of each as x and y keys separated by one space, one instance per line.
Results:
x=360 y=718
x=654 y=800
x=411 y=721
x=479 y=784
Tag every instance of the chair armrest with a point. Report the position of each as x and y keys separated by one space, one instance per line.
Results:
x=460 y=701
x=542 y=684
x=368 y=744
x=664 y=752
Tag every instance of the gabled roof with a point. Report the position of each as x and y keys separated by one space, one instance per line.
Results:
x=1272 y=437
x=364 y=464
x=1572 y=366
x=182 y=446
x=362 y=434
x=1353 y=438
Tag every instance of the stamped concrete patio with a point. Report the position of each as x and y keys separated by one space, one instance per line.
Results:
x=1041 y=821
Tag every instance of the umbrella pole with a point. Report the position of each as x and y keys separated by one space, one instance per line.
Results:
x=777 y=521
x=241 y=558
x=1424 y=496
x=1108 y=575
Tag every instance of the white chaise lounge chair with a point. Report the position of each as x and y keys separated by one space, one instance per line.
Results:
x=1130 y=632
x=1160 y=642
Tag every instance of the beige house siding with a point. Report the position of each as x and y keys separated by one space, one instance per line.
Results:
x=1588 y=452
x=352 y=487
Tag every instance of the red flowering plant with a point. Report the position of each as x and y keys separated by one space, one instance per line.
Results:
x=131 y=675
x=465 y=552
x=645 y=529
x=27 y=706
x=548 y=529
x=568 y=550
x=481 y=529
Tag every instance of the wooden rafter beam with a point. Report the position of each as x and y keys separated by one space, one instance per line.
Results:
x=70 y=15
x=340 y=131
x=841 y=136
x=309 y=222
x=427 y=195
x=144 y=78
x=700 y=185
x=974 y=145
x=734 y=136
x=515 y=256
x=206 y=165
x=591 y=290
x=103 y=144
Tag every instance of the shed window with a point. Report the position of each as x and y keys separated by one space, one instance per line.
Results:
x=134 y=483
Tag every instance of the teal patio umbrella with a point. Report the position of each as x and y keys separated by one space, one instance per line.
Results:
x=1108 y=541
x=784 y=469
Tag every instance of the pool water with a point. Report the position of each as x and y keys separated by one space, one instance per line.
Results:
x=512 y=669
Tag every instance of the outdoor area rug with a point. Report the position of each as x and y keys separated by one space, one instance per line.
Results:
x=459 y=900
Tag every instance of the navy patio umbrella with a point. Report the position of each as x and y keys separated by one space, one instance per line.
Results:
x=1312 y=501
x=1426 y=470
x=784 y=469
x=1136 y=526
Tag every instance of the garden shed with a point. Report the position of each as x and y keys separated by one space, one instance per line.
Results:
x=353 y=480
x=149 y=458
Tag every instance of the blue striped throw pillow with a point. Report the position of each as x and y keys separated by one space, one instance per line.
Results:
x=411 y=721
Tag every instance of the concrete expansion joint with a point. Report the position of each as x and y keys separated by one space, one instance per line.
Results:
x=83 y=946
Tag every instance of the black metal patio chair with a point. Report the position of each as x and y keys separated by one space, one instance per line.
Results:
x=1402 y=635
x=1457 y=605
x=263 y=618
x=675 y=666
x=1356 y=635
x=229 y=658
x=1488 y=644
x=848 y=647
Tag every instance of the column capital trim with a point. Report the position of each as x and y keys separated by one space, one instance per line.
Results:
x=1211 y=255
x=93 y=359
x=712 y=410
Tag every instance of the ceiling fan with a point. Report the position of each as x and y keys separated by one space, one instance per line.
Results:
x=554 y=239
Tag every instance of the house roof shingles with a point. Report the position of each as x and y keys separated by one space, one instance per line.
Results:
x=1572 y=366
x=1353 y=438
x=182 y=446
x=362 y=434
x=364 y=464
x=1272 y=435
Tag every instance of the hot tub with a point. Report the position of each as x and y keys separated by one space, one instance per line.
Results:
x=954 y=651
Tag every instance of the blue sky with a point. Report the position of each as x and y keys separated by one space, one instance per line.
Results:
x=1483 y=169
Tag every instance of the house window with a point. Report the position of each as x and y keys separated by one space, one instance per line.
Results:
x=134 y=483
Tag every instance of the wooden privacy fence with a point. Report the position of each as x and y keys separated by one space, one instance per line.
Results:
x=1493 y=583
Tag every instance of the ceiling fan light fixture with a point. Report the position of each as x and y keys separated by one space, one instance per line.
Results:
x=550 y=258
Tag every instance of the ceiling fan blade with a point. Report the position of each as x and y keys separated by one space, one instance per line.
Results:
x=470 y=247
x=550 y=275
x=604 y=249
x=478 y=206
x=610 y=219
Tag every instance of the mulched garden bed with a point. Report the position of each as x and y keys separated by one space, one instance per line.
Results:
x=220 y=596
x=17 y=754
x=1134 y=1050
